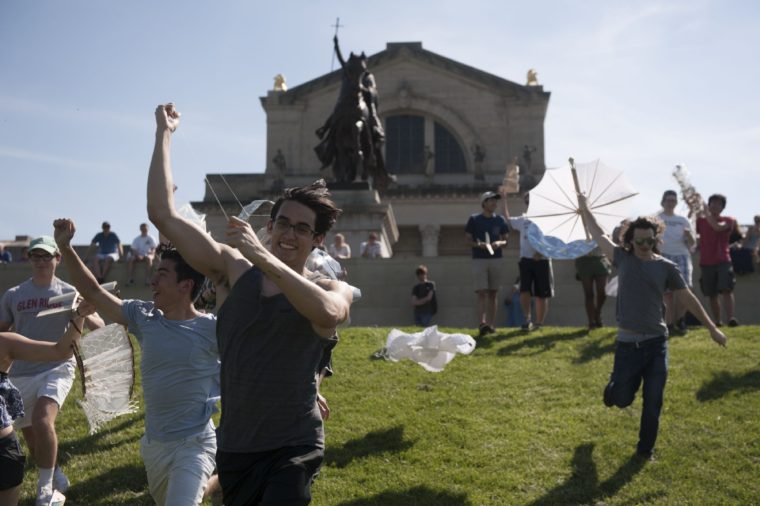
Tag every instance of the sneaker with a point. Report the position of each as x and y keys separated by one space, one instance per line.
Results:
x=44 y=496
x=527 y=326
x=490 y=329
x=645 y=456
x=60 y=481
x=607 y=397
x=537 y=326
x=733 y=322
x=482 y=330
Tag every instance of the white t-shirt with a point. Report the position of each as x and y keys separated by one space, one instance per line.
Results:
x=143 y=244
x=673 y=242
x=373 y=250
x=521 y=224
x=342 y=252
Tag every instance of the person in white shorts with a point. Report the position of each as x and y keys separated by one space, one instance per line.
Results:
x=677 y=242
x=43 y=385
x=143 y=250
x=179 y=365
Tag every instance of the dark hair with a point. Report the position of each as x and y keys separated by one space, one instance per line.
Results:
x=421 y=270
x=717 y=196
x=669 y=193
x=645 y=223
x=182 y=268
x=143 y=225
x=317 y=198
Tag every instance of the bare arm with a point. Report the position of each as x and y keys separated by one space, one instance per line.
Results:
x=22 y=348
x=82 y=278
x=325 y=303
x=687 y=298
x=216 y=261
x=717 y=226
x=602 y=239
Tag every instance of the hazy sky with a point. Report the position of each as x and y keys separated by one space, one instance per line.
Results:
x=642 y=85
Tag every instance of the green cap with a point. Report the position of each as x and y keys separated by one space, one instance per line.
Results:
x=45 y=243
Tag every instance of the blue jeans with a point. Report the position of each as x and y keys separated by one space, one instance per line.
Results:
x=422 y=319
x=647 y=362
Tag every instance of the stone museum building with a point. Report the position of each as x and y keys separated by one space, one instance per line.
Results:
x=451 y=132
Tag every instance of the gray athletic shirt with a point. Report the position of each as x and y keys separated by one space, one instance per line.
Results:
x=641 y=287
x=180 y=370
x=271 y=357
x=20 y=306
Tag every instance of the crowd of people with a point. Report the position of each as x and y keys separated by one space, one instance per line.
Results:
x=268 y=348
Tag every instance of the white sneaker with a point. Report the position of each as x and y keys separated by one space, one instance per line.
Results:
x=60 y=481
x=58 y=499
x=44 y=496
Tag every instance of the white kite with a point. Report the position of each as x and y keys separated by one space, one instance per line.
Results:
x=107 y=367
x=430 y=348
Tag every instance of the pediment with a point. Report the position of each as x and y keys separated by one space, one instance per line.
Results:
x=397 y=53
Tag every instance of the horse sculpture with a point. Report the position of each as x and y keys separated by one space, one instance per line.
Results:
x=352 y=137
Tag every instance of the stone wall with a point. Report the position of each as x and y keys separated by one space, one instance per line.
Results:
x=386 y=285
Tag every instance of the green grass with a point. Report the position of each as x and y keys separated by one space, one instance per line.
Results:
x=520 y=421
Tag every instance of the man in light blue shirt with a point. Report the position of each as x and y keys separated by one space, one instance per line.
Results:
x=180 y=370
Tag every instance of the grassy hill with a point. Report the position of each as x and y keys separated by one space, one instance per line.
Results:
x=520 y=421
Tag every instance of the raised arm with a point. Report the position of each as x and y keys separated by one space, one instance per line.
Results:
x=82 y=278
x=716 y=225
x=199 y=249
x=602 y=239
x=338 y=53
x=324 y=303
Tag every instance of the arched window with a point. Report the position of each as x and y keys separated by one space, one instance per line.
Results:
x=448 y=154
x=404 y=144
x=407 y=135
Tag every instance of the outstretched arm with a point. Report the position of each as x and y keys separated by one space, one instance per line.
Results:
x=19 y=347
x=687 y=298
x=82 y=278
x=602 y=239
x=198 y=248
x=324 y=303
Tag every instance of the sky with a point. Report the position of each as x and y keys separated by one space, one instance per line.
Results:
x=641 y=85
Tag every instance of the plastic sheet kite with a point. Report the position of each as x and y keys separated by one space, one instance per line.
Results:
x=107 y=365
x=430 y=348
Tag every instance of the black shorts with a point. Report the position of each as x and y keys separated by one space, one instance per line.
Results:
x=536 y=277
x=277 y=477
x=717 y=279
x=12 y=462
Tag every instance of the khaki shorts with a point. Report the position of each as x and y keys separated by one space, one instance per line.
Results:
x=55 y=384
x=487 y=273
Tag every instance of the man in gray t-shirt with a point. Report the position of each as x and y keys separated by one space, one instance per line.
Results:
x=641 y=355
x=180 y=370
x=44 y=386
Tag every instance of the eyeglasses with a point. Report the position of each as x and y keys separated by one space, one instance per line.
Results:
x=301 y=229
x=40 y=258
x=645 y=240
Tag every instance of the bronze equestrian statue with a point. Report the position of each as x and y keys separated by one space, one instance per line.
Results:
x=353 y=135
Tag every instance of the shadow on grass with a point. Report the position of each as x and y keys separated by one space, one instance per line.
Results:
x=725 y=382
x=373 y=443
x=418 y=495
x=99 y=489
x=583 y=486
x=96 y=443
x=542 y=342
x=596 y=349
x=489 y=340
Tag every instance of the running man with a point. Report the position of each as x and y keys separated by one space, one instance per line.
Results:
x=641 y=352
x=179 y=365
x=276 y=330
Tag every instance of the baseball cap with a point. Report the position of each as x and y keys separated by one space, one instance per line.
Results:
x=489 y=195
x=45 y=243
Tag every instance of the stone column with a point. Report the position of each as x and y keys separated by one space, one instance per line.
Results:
x=429 y=234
